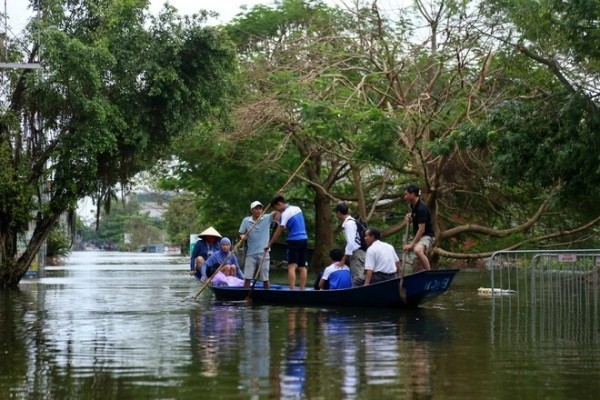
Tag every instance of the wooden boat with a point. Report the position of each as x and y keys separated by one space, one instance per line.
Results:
x=420 y=288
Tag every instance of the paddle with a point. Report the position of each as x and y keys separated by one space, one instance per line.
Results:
x=237 y=245
x=256 y=275
x=404 y=254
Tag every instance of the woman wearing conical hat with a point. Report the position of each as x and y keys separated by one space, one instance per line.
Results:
x=206 y=245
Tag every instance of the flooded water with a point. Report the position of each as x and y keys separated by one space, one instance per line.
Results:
x=126 y=326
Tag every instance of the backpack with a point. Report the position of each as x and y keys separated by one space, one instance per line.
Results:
x=361 y=227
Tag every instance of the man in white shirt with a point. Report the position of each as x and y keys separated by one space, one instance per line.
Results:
x=381 y=262
x=352 y=251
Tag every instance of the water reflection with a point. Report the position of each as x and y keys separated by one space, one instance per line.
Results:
x=293 y=374
x=381 y=353
x=17 y=338
x=256 y=351
x=386 y=350
x=215 y=337
x=98 y=328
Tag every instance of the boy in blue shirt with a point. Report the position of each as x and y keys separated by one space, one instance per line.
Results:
x=338 y=277
x=292 y=220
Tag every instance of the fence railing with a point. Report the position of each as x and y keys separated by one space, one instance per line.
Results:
x=555 y=293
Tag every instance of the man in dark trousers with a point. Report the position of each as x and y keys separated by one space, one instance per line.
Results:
x=420 y=216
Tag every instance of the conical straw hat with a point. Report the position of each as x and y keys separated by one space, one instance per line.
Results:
x=210 y=232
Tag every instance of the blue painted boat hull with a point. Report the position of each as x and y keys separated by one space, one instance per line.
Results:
x=420 y=288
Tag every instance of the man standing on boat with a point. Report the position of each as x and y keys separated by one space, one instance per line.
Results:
x=256 y=239
x=420 y=216
x=381 y=261
x=352 y=251
x=292 y=219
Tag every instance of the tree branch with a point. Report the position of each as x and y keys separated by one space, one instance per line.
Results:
x=552 y=66
x=472 y=228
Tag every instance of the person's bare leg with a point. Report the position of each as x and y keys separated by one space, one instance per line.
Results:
x=266 y=284
x=303 y=275
x=292 y=275
x=420 y=253
x=199 y=262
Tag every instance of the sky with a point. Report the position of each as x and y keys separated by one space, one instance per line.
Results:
x=18 y=12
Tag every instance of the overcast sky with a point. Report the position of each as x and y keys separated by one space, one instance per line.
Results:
x=18 y=13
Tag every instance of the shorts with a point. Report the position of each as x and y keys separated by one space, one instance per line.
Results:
x=296 y=252
x=426 y=242
x=251 y=264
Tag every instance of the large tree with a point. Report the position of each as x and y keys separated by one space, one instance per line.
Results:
x=116 y=86
x=380 y=100
x=552 y=134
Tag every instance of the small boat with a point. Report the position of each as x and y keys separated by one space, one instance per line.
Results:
x=419 y=288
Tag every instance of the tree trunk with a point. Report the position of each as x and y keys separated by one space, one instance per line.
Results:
x=324 y=230
x=8 y=263
x=13 y=269
x=432 y=204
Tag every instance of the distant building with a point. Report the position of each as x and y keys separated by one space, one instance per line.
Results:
x=154 y=203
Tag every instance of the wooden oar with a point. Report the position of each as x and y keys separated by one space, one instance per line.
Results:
x=237 y=245
x=256 y=276
x=404 y=254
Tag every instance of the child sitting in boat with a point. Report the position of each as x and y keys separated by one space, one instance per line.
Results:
x=337 y=277
x=223 y=257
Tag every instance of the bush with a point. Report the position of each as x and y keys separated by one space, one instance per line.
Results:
x=58 y=247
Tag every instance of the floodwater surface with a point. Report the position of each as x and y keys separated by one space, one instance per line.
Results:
x=113 y=325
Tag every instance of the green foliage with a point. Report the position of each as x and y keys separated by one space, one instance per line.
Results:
x=486 y=132
x=263 y=22
x=125 y=218
x=181 y=219
x=117 y=87
x=58 y=245
x=142 y=231
x=16 y=196
x=549 y=142
x=84 y=233
x=226 y=177
x=569 y=27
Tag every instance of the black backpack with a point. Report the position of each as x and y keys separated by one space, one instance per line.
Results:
x=361 y=227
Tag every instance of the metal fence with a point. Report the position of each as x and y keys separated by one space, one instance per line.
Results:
x=549 y=293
